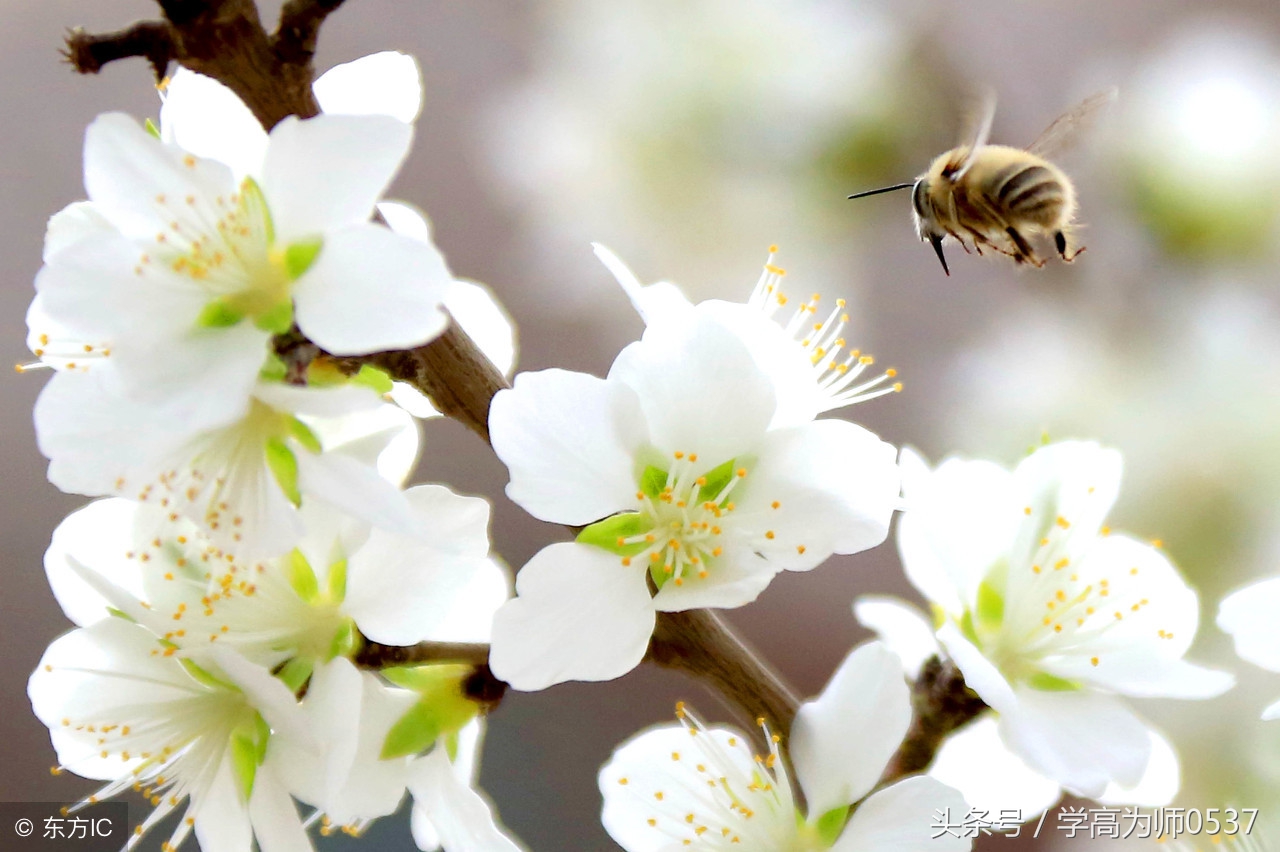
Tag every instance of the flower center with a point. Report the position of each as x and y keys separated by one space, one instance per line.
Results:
x=682 y=511
x=835 y=372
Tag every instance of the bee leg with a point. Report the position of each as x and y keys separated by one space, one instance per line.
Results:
x=1060 y=242
x=1025 y=253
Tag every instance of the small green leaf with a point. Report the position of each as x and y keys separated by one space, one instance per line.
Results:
x=830 y=824
x=284 y=467
x=653 y=480
x=274 y=370
x=371 y=377
x=296 y=672
x=416 y=731
x=151 y=128
x=338 y=581
x=118 y=613
x=277 y=319
x=968 y=630
x=434 y=679
x=302 y=433
x=626 y=525
x=451 y=747
x=346 y=640
x=251 y=197
x=218 y=314
x=248 y=748
x=301 y=576
x=990 y=608
x=717 y=478
x=203 y=675
x=1051 y=683
x=298 y=257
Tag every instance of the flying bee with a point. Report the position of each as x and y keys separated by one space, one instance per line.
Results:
x=998 y=197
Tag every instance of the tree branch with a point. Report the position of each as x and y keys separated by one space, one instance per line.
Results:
x=375 y=655
x=149 y=39
x=941 y=704
x=300 y=20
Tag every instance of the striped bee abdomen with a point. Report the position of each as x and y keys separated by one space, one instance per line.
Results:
x=1030 y=191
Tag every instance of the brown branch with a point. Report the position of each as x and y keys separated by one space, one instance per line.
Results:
x=300 y=21
x=375 y=655
x=941 y=704
x=149 y=39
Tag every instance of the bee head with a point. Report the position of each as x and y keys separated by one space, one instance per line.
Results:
x=926 y=221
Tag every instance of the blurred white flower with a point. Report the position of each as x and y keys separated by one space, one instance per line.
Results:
x=803 y=350
x=122 y=710
x=1049 y=617
x=1249 y=615
x=697 y=495
x=679 y=786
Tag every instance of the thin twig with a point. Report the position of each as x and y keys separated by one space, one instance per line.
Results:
x=941 y=704
x=300 y=21
x=149 y=39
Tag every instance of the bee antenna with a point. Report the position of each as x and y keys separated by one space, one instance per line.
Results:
x=883 y=189
x=937 y=247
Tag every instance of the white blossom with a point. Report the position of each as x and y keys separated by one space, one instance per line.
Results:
x=1249 y=616
x=691 y=786
x=671 y=464
x=1051 y=618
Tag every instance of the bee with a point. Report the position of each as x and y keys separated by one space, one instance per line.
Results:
x=998 y=197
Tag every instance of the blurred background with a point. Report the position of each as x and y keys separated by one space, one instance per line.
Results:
x=688 y=135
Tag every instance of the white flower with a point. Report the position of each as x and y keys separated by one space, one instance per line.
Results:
x=690 y=786
x=976 y=761
x=1050 y=618
x=799 y=344
x=1249 y=615
x=299 y=608
x=123 y=708
x=242 y=480
x=699 y=496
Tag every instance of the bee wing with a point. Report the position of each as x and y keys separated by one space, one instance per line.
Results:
x=1070 y=124
x=977 y=127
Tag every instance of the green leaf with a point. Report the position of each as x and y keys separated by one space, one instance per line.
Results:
x=338 y=581
x=1051 y=683
x=346 y=639
x=118 y=613
x=717 y=478
x=151 y=128
x=990 y=608
x=301 y=577
x=968 y=630
x=277 y=319
x=653 y=480
x=451 y=747
x=433 y=679
x=302 y=433
x=296 y=672
x=299 y=256
x=371 y=377
x=830 y=824
x=218 y=314
x=284 y=467
x=248 y=748
x=203 y=675
x=416 y=731
x=606 y=533
x=251 y=197
x=274 y=369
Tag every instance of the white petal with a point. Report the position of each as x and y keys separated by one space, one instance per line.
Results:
x=317 y=402
x=1249 y=616
x=385 y=437
x=1272 y=711
x=980 y=674
x=1160 y=783
x=1145 y=675
x=699 y=388
x=901 y=817
x=567 y=439
x=975 y=761
x=276 y=825
x=370 y=289
x=204 y=117
x=470 y=619
x=656 y=301
x=72 y=223
x=579 y=615
x=356 y=488
x=386 y=83
x=97 y=536
x=267 y=693
x=325 y=172
x=484 y=320
x=1083 y=740
x=901 y=627
x=222 y=818
x=842 y=741
x=959 y=520
x=736 y=580
x=400 y=590
x=460 y=817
